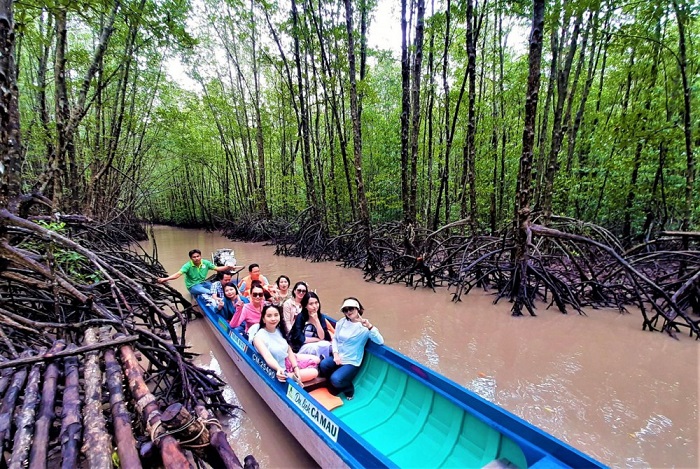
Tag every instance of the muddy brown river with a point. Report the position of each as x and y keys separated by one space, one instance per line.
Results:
x=627 y=397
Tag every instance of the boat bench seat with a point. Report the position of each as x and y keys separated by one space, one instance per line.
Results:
x=318 y=382
x=403 y=418
x=456 y=439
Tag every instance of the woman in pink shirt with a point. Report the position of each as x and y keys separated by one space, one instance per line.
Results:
x=250 y=314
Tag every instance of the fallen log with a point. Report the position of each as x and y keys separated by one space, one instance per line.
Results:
x=40 y=444
x=218 y=441
x=170 y=451
x=97 y=444
x=25 y=420
x=8 y=406
x=5 y=377
x=71 y=423
x=69 y=352
x=121 y=418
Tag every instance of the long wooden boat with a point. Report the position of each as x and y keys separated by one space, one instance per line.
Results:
x=403 y=415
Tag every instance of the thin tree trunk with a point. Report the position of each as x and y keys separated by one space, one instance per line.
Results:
x=682 y=15
x=259 y=141
x=10 y=138
x=557 y=124
x=311 y=198
x=410 y=219
x=523 y=196
x=405 y=113
x=444 y=174
x=468 y=181
x=356 y=123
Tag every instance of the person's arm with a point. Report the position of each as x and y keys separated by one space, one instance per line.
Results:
x=287 y=311
x=295 y=366
x=262 y=349
x=177 y=274
x=228 y=268
x=237 y=318
x=374 y=334
x=324 y=327
x=334 y=344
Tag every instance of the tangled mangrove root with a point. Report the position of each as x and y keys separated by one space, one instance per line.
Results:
x=571 y=265
x=73 y=297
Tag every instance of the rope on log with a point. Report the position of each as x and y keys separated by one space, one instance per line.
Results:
x=40 y=444
x=121 y=418
x=170 y=451
x=218 y=440
x=189 y=430
x=25 y=420
x=71 y=423
x=97 y=444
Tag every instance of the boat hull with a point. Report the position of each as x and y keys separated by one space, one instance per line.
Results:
x=403 y=415
x=306 y=437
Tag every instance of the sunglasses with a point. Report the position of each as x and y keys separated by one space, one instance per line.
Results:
x=348 y=309
x=257 y=295
x=301 y=291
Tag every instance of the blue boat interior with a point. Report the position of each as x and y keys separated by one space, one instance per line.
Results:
x=426 y=429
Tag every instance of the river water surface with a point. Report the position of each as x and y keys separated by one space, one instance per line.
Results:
x=628 y=398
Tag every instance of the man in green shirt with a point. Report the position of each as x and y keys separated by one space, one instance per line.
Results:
x=196 y=272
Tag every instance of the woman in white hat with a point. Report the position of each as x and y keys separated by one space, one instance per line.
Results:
x=351 y=335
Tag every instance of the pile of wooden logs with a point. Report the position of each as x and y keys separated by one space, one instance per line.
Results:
x=94 y=367
x=63 y=394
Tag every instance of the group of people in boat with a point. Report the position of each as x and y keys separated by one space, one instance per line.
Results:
x=287 y=328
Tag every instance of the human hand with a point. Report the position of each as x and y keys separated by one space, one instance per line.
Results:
x=336 y=358
x=366 y=323
x=281 y=375
x=162 y=280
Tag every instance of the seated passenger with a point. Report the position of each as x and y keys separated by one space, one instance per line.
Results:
x=196 y=271
x=351 y=335
x=292 y=307
x=250 y=313
x=254 y=275
x=280 y=291
x=310 y=331
x=217 y=288
x=270 y=343
x=230 y=304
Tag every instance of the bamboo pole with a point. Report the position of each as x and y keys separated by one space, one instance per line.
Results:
x=218 y=440
x=25 y=420
x=71 y=423
x=97 y=443
x=40 y=444
x=121 y=418
x=170 y=451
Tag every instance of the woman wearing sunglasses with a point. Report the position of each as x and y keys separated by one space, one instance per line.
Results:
x=250 y=314
x=292 y=307
x=351 y=335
